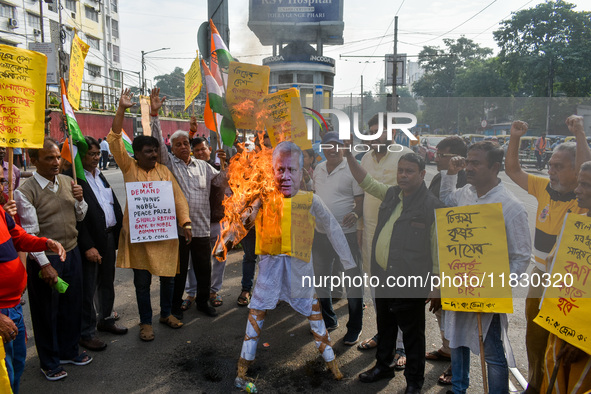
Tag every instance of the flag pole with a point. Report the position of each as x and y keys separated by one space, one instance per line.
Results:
x=10 y=164
x=482 y=361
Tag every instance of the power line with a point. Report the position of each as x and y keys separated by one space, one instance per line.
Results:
x=461 y=24
x=399 y=8
x=493 y=25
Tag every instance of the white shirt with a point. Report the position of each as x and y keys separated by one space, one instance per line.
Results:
x=105 y=146
x=461 y=327
x=338 y=191
x=104 y=196
x=28 y=213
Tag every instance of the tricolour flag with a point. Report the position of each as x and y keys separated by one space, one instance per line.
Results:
x=126 y=142
x=74 y=130
x=220 y=56
x=225 y=125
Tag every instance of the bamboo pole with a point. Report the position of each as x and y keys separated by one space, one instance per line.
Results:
x=482 y=361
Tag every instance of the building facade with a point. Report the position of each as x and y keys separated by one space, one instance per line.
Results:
x=26 y=23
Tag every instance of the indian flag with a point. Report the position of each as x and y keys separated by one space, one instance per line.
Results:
x=126 y=142
x=80 y=147
x=219 y=51
x=224 y=121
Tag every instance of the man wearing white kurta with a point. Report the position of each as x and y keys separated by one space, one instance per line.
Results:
x=484 y=187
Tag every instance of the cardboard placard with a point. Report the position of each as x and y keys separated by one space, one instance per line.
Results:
x=472 y=246
x=152 y=213
x=22 y=97
x=247 y=84
x=193 y=82
x=566 y=303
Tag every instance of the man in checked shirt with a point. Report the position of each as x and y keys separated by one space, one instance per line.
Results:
x=195 y=178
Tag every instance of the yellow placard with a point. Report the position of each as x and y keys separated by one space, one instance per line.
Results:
x=22 y=97
x=247 y=84
x=77 y=55
x=566 y=303
x=193 y=82
x=145 y=110
x=474 y=259
x=284 y=118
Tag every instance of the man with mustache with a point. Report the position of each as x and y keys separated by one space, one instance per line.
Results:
x=484 y=187
x=555 y=198
x=148 y=258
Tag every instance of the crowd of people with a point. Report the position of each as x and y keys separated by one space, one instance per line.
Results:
x=340 y=215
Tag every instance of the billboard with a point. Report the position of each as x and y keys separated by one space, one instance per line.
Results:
x=299 y=11
x=276 y=21
x=400 y=69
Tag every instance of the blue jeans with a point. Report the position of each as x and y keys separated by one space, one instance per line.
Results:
x=249 y=260
x=16 y=350
x=142 y=279
x=496 y=362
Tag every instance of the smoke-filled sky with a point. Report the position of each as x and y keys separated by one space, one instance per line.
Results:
x=369 y=31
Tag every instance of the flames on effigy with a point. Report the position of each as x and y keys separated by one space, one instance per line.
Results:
x=250 y=176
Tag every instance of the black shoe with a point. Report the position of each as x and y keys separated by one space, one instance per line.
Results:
x=332 y=328
x=112 y=328
x=93 y=344
x=375 y=374
x=412 y=390
x=208 y=310
x=351 y=337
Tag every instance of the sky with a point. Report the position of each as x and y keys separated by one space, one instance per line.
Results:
x=369 y=31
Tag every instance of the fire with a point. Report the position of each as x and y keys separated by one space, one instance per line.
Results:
x=250 y=176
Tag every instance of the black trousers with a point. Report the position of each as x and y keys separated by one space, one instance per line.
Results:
x=411 y=320
x=200 y=249
x=56 y=317
x=98 y=291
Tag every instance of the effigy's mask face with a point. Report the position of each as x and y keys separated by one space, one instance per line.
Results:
x=288 y=173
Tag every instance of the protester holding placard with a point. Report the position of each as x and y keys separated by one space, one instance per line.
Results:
x=195 y=178
x=148 y=258
x=484 y=187
x=51 y=204
x=555 y=198
x=572 y=363
x=404 y=245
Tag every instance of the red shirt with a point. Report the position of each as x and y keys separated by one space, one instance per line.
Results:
x=13 y=276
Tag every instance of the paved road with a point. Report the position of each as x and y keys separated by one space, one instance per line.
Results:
x=201 y=357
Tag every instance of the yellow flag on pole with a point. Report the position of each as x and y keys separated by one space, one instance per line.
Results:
x=77 y=55
x=193 y=82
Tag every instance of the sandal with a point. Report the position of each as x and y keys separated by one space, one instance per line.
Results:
x=186 y=305
x=368 y=344
x=54 y=374
x=171 y=321
x=146 y=332
x=215 y=300
x=400 y=359
x=445 y=378
x=437 y=355
x=244 y=298
x=81 y=359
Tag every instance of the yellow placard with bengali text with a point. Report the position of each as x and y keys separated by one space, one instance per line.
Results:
x=284 y=118
x=247 y=84
x=193 y=82
x=145 y=110
x=566 y=303
x=474 y=259
x=22 y=97
x=77 y=55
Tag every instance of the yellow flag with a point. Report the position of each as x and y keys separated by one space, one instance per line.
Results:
x=566 y=303
x=77 y=55
x=193 y=82
x=247 y=84
x=474 y=259
x=284 y=118
x=22 y=97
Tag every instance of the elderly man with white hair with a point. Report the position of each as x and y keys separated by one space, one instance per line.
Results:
x=195 y=178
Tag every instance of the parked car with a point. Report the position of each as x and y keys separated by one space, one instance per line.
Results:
x=428 y=147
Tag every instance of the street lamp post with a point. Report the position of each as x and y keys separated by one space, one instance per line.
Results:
x=143 y=87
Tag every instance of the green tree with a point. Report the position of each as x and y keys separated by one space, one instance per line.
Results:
x=173 y=84
x=545 y=50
